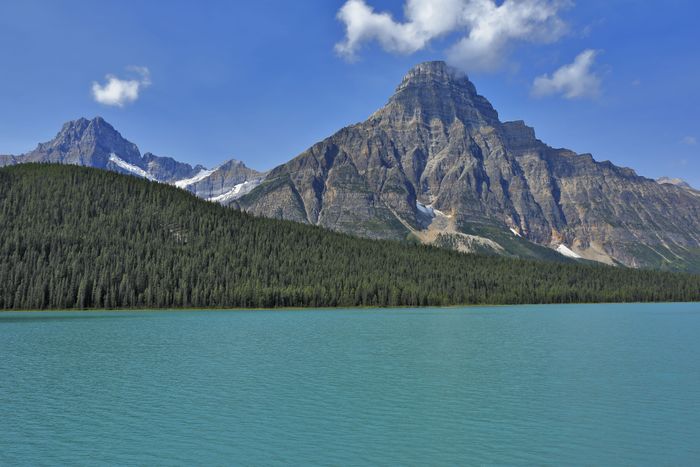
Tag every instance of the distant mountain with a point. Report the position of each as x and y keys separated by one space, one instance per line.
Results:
x=95 y=143
x=7 y=160
x=167 y=169
x=437 y=164
x=223 y=183
x=77 y=237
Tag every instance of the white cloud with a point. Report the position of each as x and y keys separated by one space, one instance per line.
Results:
x=690 y=141
x=574 y=80
x=118 y=92
x=487 y=28
x=493 y=28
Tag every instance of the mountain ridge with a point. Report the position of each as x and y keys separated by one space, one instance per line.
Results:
x=437 y=142
x=434 y=165
x=96 y=143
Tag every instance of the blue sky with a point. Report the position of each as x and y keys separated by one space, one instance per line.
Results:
x=262 y=81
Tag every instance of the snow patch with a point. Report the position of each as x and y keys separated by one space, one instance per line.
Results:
x=133 y=169
x=430 y=211
x=201 y=175
x=237 y=191
x=427 y=210
x=516 y=233
x=564 y=250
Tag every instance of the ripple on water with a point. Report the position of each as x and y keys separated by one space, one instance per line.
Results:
x=585 y=384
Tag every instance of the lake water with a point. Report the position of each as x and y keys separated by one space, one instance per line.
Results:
x=561 y=385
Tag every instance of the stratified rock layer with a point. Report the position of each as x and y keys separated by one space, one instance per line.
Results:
x=438 y=143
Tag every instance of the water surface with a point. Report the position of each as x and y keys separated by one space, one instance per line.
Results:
x=582 y=384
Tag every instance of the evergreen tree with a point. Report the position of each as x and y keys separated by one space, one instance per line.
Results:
x=74 y=237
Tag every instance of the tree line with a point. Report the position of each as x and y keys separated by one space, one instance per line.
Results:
x=76 y=238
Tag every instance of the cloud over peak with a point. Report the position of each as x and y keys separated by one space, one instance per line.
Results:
x=574 y=80
x=119 y=92
x=486 y=28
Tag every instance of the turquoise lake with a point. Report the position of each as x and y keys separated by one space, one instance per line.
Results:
x=557 y=385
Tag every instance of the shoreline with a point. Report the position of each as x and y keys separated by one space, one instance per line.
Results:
x=327 y=308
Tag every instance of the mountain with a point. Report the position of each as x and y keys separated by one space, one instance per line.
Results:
x=78 y=237
x=167 y=169
x=7 y=160
x=95 y=143
x=437 y=164
x=434 y=165
x=227 y=181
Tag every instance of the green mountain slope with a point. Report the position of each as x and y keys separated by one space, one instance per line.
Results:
x=76 y=237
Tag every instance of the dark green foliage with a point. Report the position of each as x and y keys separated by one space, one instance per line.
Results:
x=74 y=237
x=514 y=246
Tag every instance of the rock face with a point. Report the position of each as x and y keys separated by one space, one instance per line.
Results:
x=7 y=160
x=95 y=143
x=224 y=182
x=440 y=145
x=167 y=169
x=85 y=142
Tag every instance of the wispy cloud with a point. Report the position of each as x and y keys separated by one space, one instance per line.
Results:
x=119 y=92
x=486 y=28
x=574 y=80
x=689 y=141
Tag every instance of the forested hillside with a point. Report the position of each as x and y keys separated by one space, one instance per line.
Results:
x=76 y=237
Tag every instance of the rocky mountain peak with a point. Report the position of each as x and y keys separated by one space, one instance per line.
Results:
x=437 y=165
x=70 y=132
x=435 y=90
x=77 y=128
x=84 y=129
x=85 y=142
x=431 y=74
x=233 y=163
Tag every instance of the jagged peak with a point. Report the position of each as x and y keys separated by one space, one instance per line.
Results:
x=77 y=122
x=434 y=72
x=74 y=126
x=85 y=139
x=233 y=161
x=235 y=164
x=82 y=122
x=100 y=122
x=80 y=125
x=435 y=90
